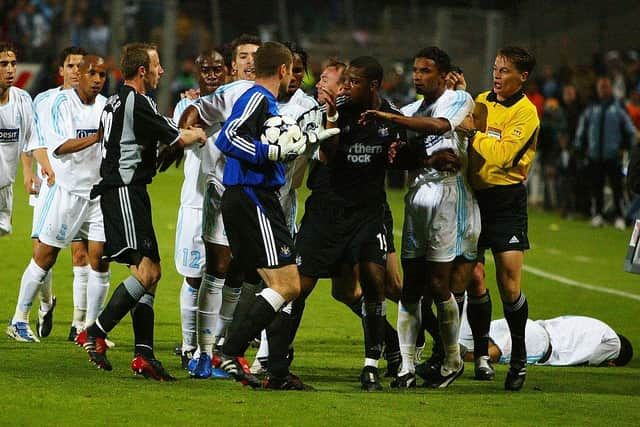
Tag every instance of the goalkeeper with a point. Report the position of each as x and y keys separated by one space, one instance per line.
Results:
x=254 y=221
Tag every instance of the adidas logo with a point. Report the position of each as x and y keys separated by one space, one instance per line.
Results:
x=514 y=239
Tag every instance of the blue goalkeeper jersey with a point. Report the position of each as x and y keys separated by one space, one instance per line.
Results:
x=247 y=160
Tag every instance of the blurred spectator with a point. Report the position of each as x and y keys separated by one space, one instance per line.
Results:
x=184 y=80
x=98 y=36
x=551 y=126
x=549 y=86
x=535 y=96
x=633 y=106
x=604 y=130
x=566 y=183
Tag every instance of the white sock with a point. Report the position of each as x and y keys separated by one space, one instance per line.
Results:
x=80 y=278
x=409 y=322
x=46 y=296
x=449 y=325
x=263 y=350
x=188 y=316
x=209 y=302
x=371 y=362
x=97 y=290
x=29 y=286
x=230 y=297
x=273 y=298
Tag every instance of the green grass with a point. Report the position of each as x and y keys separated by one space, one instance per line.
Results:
x=52 y=382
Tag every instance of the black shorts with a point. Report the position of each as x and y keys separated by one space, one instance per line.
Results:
x=388 y=224
x=128 y=227
x=332 y=236
x=256 y=228
x=503 y=212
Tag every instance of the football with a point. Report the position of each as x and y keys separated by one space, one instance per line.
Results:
x=277 y=125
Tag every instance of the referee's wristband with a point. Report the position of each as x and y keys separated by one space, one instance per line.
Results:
x=334 y=118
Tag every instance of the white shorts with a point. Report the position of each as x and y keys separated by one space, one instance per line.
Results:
x=6 y=207
x=212 y=225
x=441 y=222
x=189 y=249
x=62 y=217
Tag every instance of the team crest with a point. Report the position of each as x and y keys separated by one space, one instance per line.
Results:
x=285 y=251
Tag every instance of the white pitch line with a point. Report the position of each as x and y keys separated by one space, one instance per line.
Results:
x=570 y=282
x=565 y=280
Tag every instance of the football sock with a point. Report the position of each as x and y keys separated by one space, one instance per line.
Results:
x=278 y=333
x=430 y=324
x=409 y=324
x=374 y=318
x=123 y=299
x=262 y=313
x=46 y=296
x=297 y=310
x=209 y=302
x=80 y=278
x=449 y=322
x=230 y=297
x=188 y=315
x=479 y=316
x=97 y=290
x=263 y=350
x=391 y=342
x=246 y=300
x=29 y=286
x=459 y=297
x=516 y=314
x=142 y=317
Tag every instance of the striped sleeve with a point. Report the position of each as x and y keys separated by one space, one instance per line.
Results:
x=239 y=135
x=61 y=129
x=152 y=125
x=459 y=106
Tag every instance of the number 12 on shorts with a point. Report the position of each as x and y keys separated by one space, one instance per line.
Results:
x=195 y=258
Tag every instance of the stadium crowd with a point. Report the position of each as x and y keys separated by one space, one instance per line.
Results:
x=247 y=134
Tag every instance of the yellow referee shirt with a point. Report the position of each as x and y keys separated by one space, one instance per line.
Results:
x=502 y=153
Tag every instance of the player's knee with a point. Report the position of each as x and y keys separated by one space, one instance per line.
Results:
x=79 y=256
x=344 y=296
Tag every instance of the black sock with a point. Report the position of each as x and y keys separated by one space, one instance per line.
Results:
x=258 y=318
x=142 y=317
x=392 y=344
x=459 y=297
x=430 y=324
x=245 y=302
x=479 y=316
x=278 y=334
x=420 y=340
x=375 y=316
x=516 y=314
x=123 y=299
x=297 y=310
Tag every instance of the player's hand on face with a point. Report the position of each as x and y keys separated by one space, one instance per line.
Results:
x=327 y=96
x=455 y=81
x=444 y=161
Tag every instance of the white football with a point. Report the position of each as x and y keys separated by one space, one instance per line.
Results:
x=275 y=126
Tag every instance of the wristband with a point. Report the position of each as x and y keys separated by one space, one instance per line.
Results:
x=334 y=118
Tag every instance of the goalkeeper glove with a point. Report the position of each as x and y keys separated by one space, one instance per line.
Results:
x=287 y=149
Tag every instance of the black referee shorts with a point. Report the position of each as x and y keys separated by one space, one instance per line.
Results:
x=128 y=227
x=503 y=212
x=256 y=228
x=331 y=236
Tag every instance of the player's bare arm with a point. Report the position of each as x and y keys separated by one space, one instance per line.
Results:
x=77 y=144
x=30 y=179
x=428 y=125
x=41 y=156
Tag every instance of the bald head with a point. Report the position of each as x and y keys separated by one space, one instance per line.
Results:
x=90 y=60
x=93 y=73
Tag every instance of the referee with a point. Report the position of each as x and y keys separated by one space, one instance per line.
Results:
x=132 y=129
x=501 y=150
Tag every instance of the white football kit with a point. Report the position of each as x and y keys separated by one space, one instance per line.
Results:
x=574 y=340
x=16 y=126
x=442 y=218
x=298 y=104
x=67 y=210
x=214 y=109
x=189 y=254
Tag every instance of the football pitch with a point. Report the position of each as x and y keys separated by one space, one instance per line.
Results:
x=571 y=269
